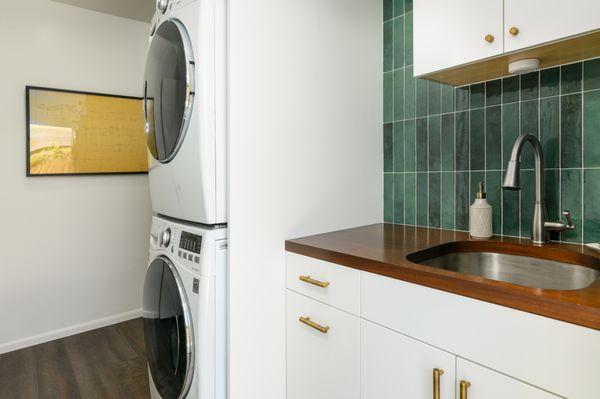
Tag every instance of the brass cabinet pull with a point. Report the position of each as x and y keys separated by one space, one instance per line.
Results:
x=464 y=386
x=436 y=382
x=489 y=38
x=307 y=279
x=514 y=31
x=306 y=320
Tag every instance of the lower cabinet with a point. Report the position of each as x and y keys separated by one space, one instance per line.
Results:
x=395 y=366
x=323 y=350
x=474 y=381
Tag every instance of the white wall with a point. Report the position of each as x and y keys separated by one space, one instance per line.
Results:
x=73 y=250
x=305 y=156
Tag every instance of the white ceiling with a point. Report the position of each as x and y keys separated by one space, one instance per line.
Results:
x=141 y=10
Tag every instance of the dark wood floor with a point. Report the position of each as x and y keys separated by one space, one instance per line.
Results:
x=106 y=363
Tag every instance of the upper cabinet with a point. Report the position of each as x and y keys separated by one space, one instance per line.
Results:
x=534 y=22
x=465 y=41
x=450 y=33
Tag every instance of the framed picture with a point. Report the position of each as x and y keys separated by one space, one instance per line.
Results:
x=79 y=133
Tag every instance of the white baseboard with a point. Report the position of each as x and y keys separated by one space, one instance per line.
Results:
x=67 y=331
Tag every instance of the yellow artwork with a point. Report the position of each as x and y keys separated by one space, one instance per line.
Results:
x=79 y=133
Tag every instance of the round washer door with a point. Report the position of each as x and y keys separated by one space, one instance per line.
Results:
x=168 y=330
x=168 y=89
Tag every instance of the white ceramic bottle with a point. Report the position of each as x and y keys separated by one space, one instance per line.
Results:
x=480 y=216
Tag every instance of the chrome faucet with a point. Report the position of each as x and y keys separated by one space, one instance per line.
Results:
x=539 y=225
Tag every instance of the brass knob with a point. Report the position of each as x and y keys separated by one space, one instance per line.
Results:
x=464 y=386
x=437 y=373
x=489 y=38
x=514 y=31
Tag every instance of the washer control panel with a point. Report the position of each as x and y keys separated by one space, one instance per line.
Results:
x=190 y=247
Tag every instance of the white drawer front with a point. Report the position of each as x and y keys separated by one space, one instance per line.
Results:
x=343 y=283
x=321 y=365
x=556 y=356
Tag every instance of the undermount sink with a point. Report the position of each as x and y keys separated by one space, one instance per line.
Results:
x=511 y=268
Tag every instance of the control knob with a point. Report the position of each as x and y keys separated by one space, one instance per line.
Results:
x=165 y=237
x=162 y=5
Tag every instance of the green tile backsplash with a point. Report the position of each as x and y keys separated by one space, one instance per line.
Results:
x=439 y=141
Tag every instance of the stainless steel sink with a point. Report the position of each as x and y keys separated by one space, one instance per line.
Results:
x=515 y=269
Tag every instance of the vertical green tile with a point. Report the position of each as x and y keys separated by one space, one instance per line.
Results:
x=388 y=96
x=388 y=9
x=388 y=46
x=422 y=94
x=549 y=130
x=510 y=130
x=462 y=201
x=477 y=136
x=510 y=213
x=530 y=86
x=409 y=199
x=435 y=98
x=435 y=207
x=398 y=7
x=398 y=95
x=388 y=147
x=408 y=39
x=462 y=98
x=462 y=140
x=493 y=182
x=448 y=195
x=493 y=137
x=529 y=125
x=422 y=198
x=571 y=75
x=421 y=136
x=527 y=201
x=571 y=200
x=409 y=146
x=398 y=197
x=434 y=138
x=408 y=5
x=493 y=92
x=552 y=194
x=388 y=197
x=591 y=114
x=448 y=142
x=570 y=131
x=447 y=99
x=409 y=93
x=477 y=95
x=398 y=147
x=550 y=82
x=399 y=42
x=510 y=89
x=591 y=74
x=591 y=208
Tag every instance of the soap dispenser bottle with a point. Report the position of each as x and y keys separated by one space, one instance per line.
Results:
x=480 y=216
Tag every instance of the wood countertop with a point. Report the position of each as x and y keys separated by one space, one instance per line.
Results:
x=383 y=249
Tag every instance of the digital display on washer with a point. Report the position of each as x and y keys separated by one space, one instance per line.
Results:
x=190 y=242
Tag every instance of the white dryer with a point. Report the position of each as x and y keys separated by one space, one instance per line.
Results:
x=184 y=110
x=184 y=311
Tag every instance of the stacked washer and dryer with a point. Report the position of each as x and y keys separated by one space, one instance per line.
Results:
x=185 y=290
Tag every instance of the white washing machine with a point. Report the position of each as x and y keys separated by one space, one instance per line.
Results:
x=184 y=110
x=184 y=311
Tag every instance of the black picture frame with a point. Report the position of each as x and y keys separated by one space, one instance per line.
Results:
x=28 y=173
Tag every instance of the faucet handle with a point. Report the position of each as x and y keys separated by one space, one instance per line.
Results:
x=567 y=214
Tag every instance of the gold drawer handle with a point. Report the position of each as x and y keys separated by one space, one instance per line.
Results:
x=489 y=38
x=307 y=279
x=436 y=382
x=318 y=327
x=514 y=31
x=464 y=386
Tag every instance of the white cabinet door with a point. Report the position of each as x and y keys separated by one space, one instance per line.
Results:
x=321 y=365
x=541 y=21
x=488 y=384
x=395 y=366
x=451 y=33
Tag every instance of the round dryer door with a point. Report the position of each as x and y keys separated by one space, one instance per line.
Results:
x=168 y=89
x=168 y=330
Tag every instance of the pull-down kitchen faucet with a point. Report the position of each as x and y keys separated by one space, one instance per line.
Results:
x=539 y=225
